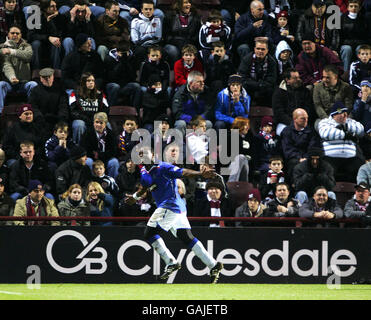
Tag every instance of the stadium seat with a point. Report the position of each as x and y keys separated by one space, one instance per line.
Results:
x=238 y=191
x=344 y=191
x=9 y=116
x=255 y=116
x=116 y=115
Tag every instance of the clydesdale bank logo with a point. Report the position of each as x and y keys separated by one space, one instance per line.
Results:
x=252 y=262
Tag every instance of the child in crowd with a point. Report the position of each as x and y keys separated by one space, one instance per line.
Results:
x=58 y=146
x=218 y=67
x=214 y=30
x=282 y=30
x=108 y=183
x=284 y=57
x=154 y=65
x=189 y=62
x=161 y=136
x=360 y=69
x=125 y=144
x=156 y=101
x=271 y=178
x=265 y=144
x=197 y=141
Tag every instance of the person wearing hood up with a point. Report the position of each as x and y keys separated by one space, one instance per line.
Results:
x=284 y=56
x=311 y=173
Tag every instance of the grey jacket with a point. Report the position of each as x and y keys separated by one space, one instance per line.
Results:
x=244 y=211
x=364 y=173
x=351 y=209
x=66 y=209
x=308 y=208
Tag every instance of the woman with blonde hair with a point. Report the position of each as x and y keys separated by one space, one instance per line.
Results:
x=100 y=203
x=74 y=205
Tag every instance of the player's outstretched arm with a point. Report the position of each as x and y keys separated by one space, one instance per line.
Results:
x=207 y=173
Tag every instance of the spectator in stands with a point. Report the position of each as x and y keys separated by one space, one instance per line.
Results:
x=11 y=15
x=161 y=136
x=297 y=139
x=215 y=29
x=197 y=142
x=48 y=36
x=353 y=32
x=232 y=9
x=84 y=103
x=282 y=205
x=155 y=101
x=365 y=142
x=364 y=172
x=100 y=203
x=251 y=25
x=28 y=167
x=16 y=54
x=146 y=30
x=24 y=129
x=361 y=68
x=340 y=142
x=271 y=177
x=100 y=144
x=35 y=204
x=193 y=99
x=362 y=107
x=112 y=31
x=79 y=20
x=315 y=22
x=131 y=10
x=288 y=96
x=74 y=205
x=231 y=102
x=81 y=61
x=107 y=182
x=4 y=170
x=259 y=73
x=252 y=207
x=121 y=78
x=73 y=171
x=239 y=168
x=357 y=206
x=312 y=59
x=215 y=204
x=128 y=178
x=265 y=144
x=283 y=30
x=330 y=90
x=311 y=173
x=58 y=146
x=188 y=63
x=181 y=27
x=218 y=67
x=49 y=100
x=126 y=144
x=155 y=64
x=321 y=206
x=6 y=202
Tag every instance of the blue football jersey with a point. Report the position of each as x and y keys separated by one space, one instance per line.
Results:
x=165 y=193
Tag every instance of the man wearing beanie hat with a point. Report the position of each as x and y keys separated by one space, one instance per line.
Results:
x=35 y=204
x=73 y=171
x=330 y=90
x=340 y=136
x=314 y=21
x=231 y=102
x=215 y=204
x=16 y=56
x=252 y=207
x=311 y=173
x=80 y=61
x=313 y=58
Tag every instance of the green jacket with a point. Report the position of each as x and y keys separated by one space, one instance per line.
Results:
x=66 y=209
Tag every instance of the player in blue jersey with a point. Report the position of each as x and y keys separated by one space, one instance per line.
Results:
x=171 y=212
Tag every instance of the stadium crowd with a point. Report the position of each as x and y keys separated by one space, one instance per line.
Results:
x=181 y=66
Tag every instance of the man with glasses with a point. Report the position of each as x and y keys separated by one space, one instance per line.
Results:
x=16 y=54
x=259 y=74
x=12 y=15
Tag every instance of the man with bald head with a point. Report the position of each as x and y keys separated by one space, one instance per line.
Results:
x=252 y=24
x=297 y=139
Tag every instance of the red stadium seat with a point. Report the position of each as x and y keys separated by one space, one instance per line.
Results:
x=238 y=191
x=117 y=114
x=255 y=116
x=344 y=191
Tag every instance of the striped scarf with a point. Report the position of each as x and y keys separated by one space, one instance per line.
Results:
x=253 y=74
